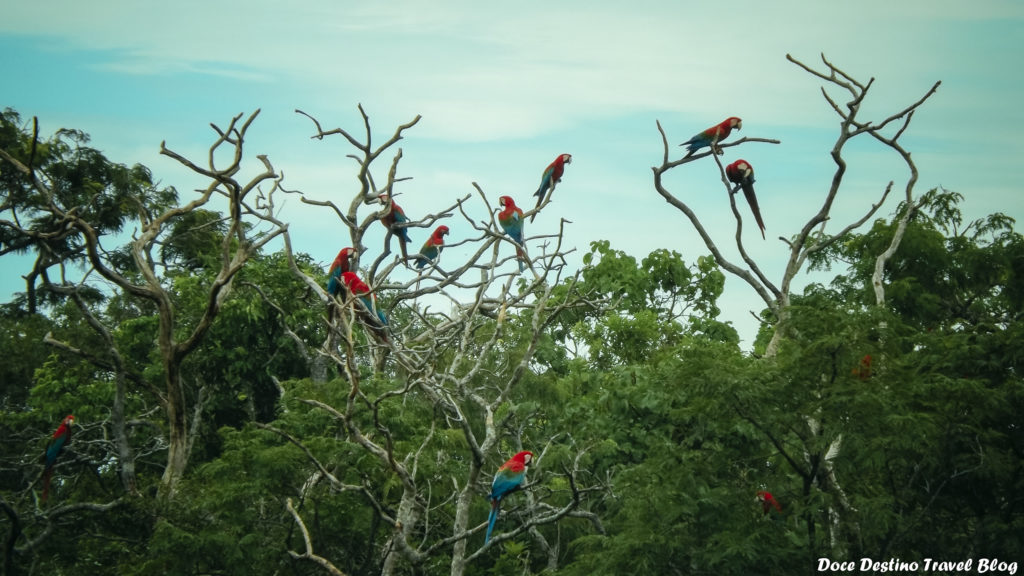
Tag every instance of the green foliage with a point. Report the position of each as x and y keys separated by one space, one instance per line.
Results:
x=657 y=303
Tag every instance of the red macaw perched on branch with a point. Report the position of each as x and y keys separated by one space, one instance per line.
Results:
x=511 y=220
x=60 y=439
x=552 y=175
x=712 y=136
x=394 y=215
x=508 y=479
x=342 y=263
x=367 y=301
x=863 y=371
x=768 y=501
x=742 y=173
x=432 y=247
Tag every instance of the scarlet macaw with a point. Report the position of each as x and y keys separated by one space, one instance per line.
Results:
x=511 y=220
x=342 y=263
x=552 y=175
x=392 y=216
x=373 y=316
x=60 y=439
x=864 y=370
x=432 y=247
x=742 y=173
x=712 y=136
x=768 y=501
x=508 y=479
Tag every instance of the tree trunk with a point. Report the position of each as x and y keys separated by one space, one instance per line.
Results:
x=126 y=460
x=462 y=521
x=408 y=518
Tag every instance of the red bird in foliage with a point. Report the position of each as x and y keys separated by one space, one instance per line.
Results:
x=60 y=439
x=863 y=371
x=508 y=479
x=768 y=501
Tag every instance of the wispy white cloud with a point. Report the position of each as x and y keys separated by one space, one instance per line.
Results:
x=486 y=71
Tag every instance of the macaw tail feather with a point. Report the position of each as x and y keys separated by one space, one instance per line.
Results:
x=748 y=191
x=46 y=482
x=491 y=520
x=521 y=256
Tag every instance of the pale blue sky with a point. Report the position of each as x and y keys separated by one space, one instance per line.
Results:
x=504 y=90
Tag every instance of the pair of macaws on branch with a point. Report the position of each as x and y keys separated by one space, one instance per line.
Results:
x=341 y=280
x=511 y=216
x=394 y=217
x=739 y=172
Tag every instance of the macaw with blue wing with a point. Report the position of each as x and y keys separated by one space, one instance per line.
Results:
x=61 y=438
x=432 y=247
x=552 y=175
x=394 y=215
x=372 y=316
x=742 y=173
x=511 y=220
x=342 y=263
x=712 y=136
x=508 y=479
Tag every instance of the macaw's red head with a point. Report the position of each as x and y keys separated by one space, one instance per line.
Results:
x=565 y=159
x=506 y=202
x=354 y=284
x=346 y=255
x=767 y=501
x=524 y=457
x=732 y=122
x=65 y=424
x=383 y=199
x=739 y=170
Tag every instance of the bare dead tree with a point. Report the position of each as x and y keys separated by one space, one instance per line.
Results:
x=812 y=236
x=453 y=359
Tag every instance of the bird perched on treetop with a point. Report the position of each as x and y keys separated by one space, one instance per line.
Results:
x=508 y=479
x=60 y=439
x=742 y=173
x=511 y=220
x=712 y=136
x=431 y=249
x=552 y=175
x=393 y=215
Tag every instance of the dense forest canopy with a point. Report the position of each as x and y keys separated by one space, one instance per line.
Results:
x=242 y=410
